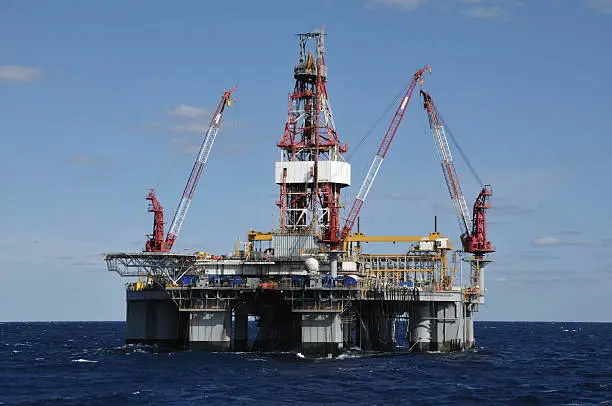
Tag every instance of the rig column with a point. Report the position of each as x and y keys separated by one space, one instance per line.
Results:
x=420 y=327
x=211 y=330
x=241 y=329
x=153 y=318
x=469 y=328
x=347 y=324
x=322 y=333
x=333 y=264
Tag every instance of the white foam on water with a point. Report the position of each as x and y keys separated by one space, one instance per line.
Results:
x=83 y=360
x=349 y=356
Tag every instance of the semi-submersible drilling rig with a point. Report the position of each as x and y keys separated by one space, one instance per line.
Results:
x=308 y=284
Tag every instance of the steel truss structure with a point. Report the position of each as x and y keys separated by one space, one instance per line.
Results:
x=162 y=266
x=310 y=205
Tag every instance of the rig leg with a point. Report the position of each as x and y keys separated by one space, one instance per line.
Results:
x=469 y=328
x=441 y=326
x=153 y=318
x=241 y=329
x=211 y=330
x=333 y=264
x=321 y=333
x=347 y=324
x=420 y=326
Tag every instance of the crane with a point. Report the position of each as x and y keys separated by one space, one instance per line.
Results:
x=381 y=153
x=155 y=242
x=474 y=230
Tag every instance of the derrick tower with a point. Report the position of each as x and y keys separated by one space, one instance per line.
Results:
x=311 y=171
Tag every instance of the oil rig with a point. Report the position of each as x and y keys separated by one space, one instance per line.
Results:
x=308 y=284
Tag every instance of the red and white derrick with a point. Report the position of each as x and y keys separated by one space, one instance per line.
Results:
x=311 y=171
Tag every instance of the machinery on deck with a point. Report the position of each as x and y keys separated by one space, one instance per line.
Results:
x=156 y=242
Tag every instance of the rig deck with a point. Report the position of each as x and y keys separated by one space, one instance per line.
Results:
x=191 y=302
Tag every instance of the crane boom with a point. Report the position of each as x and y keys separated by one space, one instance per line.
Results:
x=196 y=172
x=155 y=241
x=438 y=132
x=473 y=230
x=380 y=154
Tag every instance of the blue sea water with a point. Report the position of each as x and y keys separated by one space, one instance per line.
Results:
x=87 y=363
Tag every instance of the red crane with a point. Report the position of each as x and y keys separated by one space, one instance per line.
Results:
x=155 y=241
x=474 y=238
x=380 y=154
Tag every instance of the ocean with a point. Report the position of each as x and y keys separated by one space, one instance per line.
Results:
x=87 y=363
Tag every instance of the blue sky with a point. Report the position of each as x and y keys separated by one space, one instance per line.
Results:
x=101 y=100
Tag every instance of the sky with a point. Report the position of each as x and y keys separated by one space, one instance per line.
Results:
x=101 y=100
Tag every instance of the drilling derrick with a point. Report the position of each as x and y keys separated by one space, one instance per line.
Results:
x=311 y=171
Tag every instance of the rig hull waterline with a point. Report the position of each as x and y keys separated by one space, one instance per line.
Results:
x=309 y=284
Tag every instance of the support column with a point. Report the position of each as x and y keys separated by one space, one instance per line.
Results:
x=385 y=337
x=363 y=334
x=333 y=264
x=420 y=327
x=448 y=335
x=153 y=318
x=481 y=280
x=210 y=330
x=347 y=324
x=469 y=328
x=241 y=329
x=321 y=333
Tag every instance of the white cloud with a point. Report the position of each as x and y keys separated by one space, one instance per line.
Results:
x=18 y=74
x=548 y=241
x=189 y=111
x=551 y=241
x=602 y=6
x=185 y=147
x=188 y=127
x=405 y=5
x=486 y=12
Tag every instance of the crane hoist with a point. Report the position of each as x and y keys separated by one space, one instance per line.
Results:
x=474 y=230
x=156 y=241
x=417 y=78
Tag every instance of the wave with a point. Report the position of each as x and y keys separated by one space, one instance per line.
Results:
x=84 y=360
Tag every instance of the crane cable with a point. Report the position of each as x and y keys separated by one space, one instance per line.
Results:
x=376 y=123
x=456 y=144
